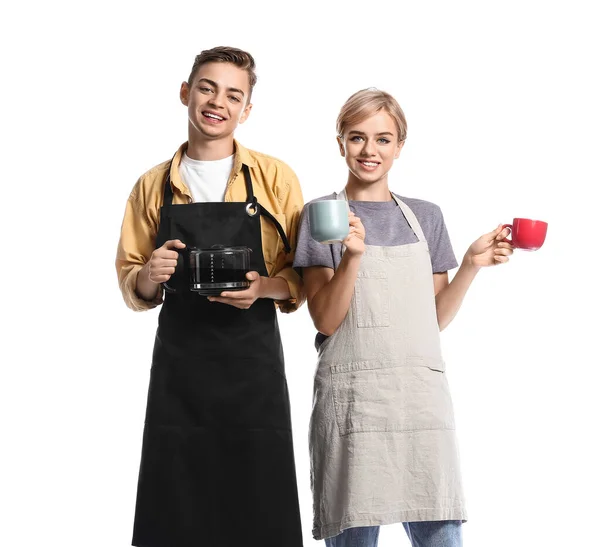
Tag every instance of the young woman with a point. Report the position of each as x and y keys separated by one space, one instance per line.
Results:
x=382 y=439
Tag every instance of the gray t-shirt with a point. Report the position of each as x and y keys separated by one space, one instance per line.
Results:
x=385 y=225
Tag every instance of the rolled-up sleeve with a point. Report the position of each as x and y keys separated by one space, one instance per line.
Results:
x=292 y=204
x=136 y=244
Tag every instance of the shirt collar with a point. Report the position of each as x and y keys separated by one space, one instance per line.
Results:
x=241 y=157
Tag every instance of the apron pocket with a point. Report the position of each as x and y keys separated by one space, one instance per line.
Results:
x=371 y=295
x=383 y=396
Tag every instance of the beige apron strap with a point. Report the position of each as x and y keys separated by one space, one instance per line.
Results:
x=411 y=219
x=341 y=195
x=406 y=211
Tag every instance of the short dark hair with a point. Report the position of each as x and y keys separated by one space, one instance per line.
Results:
x=223 y=54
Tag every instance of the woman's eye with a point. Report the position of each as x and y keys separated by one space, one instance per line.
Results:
x=356 y=138
x=384 y=141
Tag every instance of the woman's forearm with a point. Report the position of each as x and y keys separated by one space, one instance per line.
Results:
x=450 y=298
x=329 y=306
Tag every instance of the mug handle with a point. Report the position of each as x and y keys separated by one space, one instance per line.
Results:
x=506 y=240
x=165 y=283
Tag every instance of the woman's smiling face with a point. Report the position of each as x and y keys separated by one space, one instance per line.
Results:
x=371 y=146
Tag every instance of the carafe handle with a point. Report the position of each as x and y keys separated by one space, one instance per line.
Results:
x=165 y=284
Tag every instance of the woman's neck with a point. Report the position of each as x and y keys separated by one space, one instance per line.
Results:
x=358 y=190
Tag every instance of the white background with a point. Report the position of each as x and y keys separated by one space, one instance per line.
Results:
x=503 y=121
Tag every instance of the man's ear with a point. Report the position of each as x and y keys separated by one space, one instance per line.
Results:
x=341 y=145
x=184 y=93
x=245 y=113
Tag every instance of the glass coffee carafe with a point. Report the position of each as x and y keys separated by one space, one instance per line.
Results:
x=218 y=269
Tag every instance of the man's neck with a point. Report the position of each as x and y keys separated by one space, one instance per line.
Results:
x=209 y=150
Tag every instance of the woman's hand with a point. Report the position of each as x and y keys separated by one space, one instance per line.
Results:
x=355 y=241
x=490 y=249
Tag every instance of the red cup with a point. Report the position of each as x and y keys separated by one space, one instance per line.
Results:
x=527 y=234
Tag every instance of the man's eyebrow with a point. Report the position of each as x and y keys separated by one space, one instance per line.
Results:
x=235 y=90
x=214 y=84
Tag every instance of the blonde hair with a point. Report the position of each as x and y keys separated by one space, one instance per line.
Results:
x=367 y=102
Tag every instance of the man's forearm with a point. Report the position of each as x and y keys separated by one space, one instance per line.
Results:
x=276 y=288
x=145 y=288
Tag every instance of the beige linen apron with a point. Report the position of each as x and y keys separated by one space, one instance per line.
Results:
x=382 y=439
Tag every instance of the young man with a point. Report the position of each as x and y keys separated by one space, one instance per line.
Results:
x=217 y=463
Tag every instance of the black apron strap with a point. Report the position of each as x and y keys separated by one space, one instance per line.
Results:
x=280 y=229
x=248 y=180
x=168 y=192
x=253 y=207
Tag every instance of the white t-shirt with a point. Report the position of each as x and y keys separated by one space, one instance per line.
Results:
x=207 y=180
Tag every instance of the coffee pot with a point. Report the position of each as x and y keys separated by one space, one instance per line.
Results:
x=214 y=270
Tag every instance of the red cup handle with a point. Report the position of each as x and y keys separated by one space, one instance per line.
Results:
x=507 y=226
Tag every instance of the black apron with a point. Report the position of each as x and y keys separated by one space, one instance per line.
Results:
x=217 y=466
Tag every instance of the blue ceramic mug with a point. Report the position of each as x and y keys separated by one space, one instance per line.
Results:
x=328 y=220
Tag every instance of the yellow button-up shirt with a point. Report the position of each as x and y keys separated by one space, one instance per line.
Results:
x=276 y=188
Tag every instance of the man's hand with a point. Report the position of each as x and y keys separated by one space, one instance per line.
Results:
x=158 y=269
x=163 y=261
x=242 y=299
